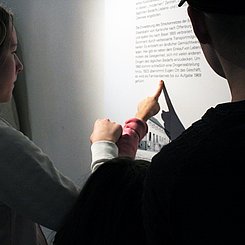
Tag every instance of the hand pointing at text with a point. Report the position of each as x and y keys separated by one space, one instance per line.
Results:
x=149 y=106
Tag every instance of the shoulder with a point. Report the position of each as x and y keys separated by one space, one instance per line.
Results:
x=13 y=141
x=179 y=152
x=201 y=149
x=7 y=131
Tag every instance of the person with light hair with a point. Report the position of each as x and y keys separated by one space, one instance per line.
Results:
x=32 y=191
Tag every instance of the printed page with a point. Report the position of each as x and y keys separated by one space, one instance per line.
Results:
x=151 y=40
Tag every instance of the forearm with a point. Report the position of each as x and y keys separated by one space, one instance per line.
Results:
x=30 y=183
x=133 y=132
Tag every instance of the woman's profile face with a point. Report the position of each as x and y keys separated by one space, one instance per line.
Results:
x=9 y=68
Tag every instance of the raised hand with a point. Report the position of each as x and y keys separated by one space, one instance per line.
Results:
x=149 y=106
x=104 y=129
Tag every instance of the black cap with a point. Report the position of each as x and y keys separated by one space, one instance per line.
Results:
x=217 y=6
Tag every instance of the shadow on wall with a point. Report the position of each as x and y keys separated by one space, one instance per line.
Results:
x=173 y=125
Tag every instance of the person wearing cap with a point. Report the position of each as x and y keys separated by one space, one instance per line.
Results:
x=195 y=186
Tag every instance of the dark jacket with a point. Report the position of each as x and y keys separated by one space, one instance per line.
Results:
x=195 y=187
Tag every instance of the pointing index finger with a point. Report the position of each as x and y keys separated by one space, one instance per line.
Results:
x=159 y=90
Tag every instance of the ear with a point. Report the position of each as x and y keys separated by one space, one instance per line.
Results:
x=199 y=26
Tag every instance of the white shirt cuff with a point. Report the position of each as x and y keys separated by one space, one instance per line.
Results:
x=102 y=151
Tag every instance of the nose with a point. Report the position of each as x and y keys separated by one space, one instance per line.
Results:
x=19 y=65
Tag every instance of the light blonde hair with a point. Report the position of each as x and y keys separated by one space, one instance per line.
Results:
x=6 y=22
